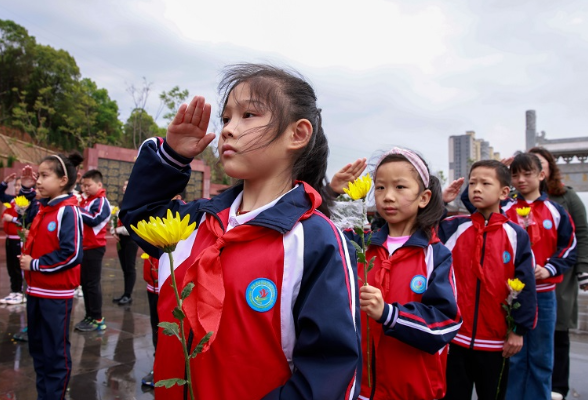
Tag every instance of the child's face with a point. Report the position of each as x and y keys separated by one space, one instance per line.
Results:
x=17 y=186
x=90 y=187
x=48 y=183
x=527 y=182
x=485 y=190
x=242 y=145
x=398 y=195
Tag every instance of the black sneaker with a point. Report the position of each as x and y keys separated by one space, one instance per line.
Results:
x=91 y=324
x=117 y=299
x=82 y=322
x=125 y=300
x=22 y=336
x=147 y=380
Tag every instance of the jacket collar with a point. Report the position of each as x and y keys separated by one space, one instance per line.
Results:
x=296 y=205
x=56 y=201
x=100 y=193
x=478 y=218
x=518 y=196
x=417 y=239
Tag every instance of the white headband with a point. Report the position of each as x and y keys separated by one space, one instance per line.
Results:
x=412 y=158
x=62 y=164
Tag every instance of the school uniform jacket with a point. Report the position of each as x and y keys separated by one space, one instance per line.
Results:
x=505 y=254
x=56 y=249
x=304 y=343
x=151 y=274
x=555 y=248
x=11 y=228
x=95 y=211
x=420 y=318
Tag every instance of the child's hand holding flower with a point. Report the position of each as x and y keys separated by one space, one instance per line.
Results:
x=371 y=301
x=187 y=132
x=541 y=272
x=25 y=262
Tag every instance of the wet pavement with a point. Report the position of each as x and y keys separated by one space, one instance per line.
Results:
x=110 y=364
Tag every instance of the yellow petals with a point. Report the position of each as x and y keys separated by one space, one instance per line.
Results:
x=145 y=256
x=7 y=205
x=22 y=201
x=523 y=211
x=165 y=233
x=115 y=210
x=359 y=188
x=516 y=285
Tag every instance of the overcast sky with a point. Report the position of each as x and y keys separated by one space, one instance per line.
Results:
x=409 y=73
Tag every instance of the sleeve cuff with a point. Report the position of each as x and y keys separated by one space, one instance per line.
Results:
x=583 y=279
x=520 y=330
x=34 y=265
x=551 y=269
x=389 y=316
x=170 y=157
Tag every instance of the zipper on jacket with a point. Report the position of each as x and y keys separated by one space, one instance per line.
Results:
x=478 y=287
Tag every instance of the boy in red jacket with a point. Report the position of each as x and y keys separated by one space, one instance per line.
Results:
x=11 y=226
x=488 y=249
x=95 y=211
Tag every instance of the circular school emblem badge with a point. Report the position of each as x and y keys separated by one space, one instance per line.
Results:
x=51 y=226
x=261 y=294
x=505 y=257
x=547 y=224
x=418 y=284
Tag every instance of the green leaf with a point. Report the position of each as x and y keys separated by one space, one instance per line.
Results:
x=358 y=231
x=170 y=382
x=169 y=328
x=358 y=248
x=368 y=241
x=187 y=290
x=178 y=313
x=200 y=346
x=371 y=264
x=516 y=306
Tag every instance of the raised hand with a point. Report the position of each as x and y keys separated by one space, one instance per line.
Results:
x=28 y=177
x=347 y=174
x=10 y=178
x=187 y=132
x=451 y=192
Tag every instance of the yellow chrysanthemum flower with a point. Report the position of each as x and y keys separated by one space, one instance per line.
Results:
x=22 y=201
x=145 y=256
x=165 y=233
x=7 y=205
x=523 y=211
x=359 y=188
x=114 y=210
x=516 y=285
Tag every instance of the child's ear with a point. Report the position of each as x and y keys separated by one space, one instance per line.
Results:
x=504 y=192
x=425 y=198
x=300 y=134
x=542 y=175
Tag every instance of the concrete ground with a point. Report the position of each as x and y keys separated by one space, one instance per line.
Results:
x=110 y=364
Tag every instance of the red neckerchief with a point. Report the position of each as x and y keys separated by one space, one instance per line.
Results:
x=204 y=307
x=480 y=227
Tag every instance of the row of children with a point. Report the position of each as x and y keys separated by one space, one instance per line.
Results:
x=62 y=245
x=303 y=336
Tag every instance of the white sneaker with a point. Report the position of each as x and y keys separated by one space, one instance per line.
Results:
x=16 y=299
x=7 y=298
x=556 y=396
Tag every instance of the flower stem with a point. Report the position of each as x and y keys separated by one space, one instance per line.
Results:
x=500 y=378
x=365 y=282
x=182 y=338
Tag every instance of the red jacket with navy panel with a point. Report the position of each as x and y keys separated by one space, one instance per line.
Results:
x=505 y=253
x=151 y=274
x=11 y=228
x=305 y=343
x=554 y=243
x=95 y=211
x=420 y=318
x=55 y=245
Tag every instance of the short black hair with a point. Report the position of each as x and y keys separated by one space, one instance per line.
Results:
x=502 y=172
x=525 y=162
x=93 y=174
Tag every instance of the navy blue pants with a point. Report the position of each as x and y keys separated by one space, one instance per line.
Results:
x=48 y=329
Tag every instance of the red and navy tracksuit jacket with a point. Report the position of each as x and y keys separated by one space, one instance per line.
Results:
x=553 y=240
x=151 y=274
x=11 y=228
x=55 y=244
x=420 y=318
x=302 y=338
x=555 y=244
x=95 y=211
x=505 y=253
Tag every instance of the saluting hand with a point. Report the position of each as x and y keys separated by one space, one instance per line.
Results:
x=187 y=132
x=451 y=192
x=347 y=174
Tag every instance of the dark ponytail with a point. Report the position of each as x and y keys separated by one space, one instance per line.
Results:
x=428 y=218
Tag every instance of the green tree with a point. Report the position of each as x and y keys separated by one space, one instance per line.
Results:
x=172 y=101
x=17 y=52
x=139 y=126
